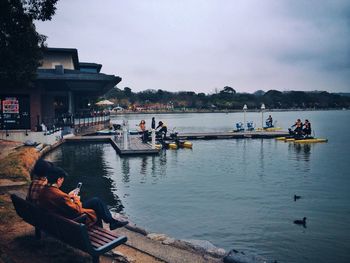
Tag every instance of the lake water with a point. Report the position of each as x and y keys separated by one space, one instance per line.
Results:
x=234 y=193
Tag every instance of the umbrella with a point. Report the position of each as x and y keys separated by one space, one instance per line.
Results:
x=104 y=103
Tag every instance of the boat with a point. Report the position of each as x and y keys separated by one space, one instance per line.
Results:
x=310 y=140
x=270 y=129
x=172 y=145
x=187 y=144
x=302 y=140
x=280 y=138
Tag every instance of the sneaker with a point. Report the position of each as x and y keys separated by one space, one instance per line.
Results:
x=116 y=224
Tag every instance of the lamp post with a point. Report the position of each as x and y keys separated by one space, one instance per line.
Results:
x=244 y=110
x=262 y=115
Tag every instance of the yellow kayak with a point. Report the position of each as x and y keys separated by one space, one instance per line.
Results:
x=313 y=140
x=187 y=144
x=280 y=138
x=309 y=140
x=269 y=129
x=172 y=146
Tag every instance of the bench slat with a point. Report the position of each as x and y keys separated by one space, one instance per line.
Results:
x=103 y=239
x=103 y=234
x=105 y=231
x=99 y=239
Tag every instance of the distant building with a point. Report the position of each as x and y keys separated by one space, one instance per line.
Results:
x=62 y=95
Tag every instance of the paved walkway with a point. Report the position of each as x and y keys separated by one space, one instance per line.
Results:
x=166 y=253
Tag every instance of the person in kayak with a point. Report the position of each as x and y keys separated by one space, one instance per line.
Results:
x=163 y=129
x=269 y=122
x=298 y=128
x=307 y=128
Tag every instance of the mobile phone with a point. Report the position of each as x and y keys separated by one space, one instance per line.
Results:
x=77 y=189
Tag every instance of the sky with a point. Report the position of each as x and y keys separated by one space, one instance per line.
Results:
x=205 y=45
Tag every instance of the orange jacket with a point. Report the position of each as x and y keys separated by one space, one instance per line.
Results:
x=55 y=201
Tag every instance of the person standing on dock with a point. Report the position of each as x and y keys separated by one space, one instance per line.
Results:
x=153 y=126
x=144 y=132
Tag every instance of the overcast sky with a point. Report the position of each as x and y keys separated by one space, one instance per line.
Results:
x=203 y=45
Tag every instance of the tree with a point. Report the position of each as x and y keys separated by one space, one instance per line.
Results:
x=20 y=44
x=229 y=90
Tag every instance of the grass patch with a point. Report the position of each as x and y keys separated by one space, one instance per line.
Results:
x=17 y=165
x=6 y=210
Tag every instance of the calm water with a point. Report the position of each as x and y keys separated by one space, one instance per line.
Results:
x=234 y=193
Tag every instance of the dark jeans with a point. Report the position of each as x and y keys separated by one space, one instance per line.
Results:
x=101 y=210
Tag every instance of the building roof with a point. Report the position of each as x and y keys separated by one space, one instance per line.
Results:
x=91 y=65
x=76 y=80
x=72 y=51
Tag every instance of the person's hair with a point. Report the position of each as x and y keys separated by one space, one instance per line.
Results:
x=54 y=173
x=160 y=123
x=41 y=168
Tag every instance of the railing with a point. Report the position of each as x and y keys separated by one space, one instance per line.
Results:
x=49 y=125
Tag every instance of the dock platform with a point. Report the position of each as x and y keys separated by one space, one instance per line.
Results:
x=231 y=135
x=135 y=145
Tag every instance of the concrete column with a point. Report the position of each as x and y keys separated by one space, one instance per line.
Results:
x=125 y=135
x=153 y=138
x=70 y=102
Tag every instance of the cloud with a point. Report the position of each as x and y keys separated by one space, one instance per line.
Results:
x=202 y=45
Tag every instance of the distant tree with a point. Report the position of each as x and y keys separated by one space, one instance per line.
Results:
x=259 y=93
x=127 y=91
x=229 y=90
x=114 y=93
x=20 y=44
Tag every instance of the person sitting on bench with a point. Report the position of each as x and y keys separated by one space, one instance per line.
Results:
x=69 y=205
x=38 y=176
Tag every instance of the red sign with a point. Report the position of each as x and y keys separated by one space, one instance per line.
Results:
x=10 y=105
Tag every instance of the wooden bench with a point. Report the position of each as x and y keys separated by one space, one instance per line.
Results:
x=94 y=240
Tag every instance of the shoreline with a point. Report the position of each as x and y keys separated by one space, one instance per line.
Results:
x=126 y=112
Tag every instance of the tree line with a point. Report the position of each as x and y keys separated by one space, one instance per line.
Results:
x=228 y=99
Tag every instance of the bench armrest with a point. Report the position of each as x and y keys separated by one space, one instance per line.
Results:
x=80 y=219
x=107 y=247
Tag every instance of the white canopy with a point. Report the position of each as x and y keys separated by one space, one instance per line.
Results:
x=104 y=103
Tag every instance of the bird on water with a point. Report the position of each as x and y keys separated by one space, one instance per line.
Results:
x=296 y=197
x=300 y=222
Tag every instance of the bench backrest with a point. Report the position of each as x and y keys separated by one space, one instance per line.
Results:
x=66 y=230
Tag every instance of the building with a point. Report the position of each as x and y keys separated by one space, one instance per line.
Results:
x=62 y=97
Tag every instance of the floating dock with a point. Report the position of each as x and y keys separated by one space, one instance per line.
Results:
x=232 y=135
x=134 y=145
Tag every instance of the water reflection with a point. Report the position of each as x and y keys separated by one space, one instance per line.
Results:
x=302 y=151
x=262 y=158
x=143 y=170
x=85 y=163
x=126 y=170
